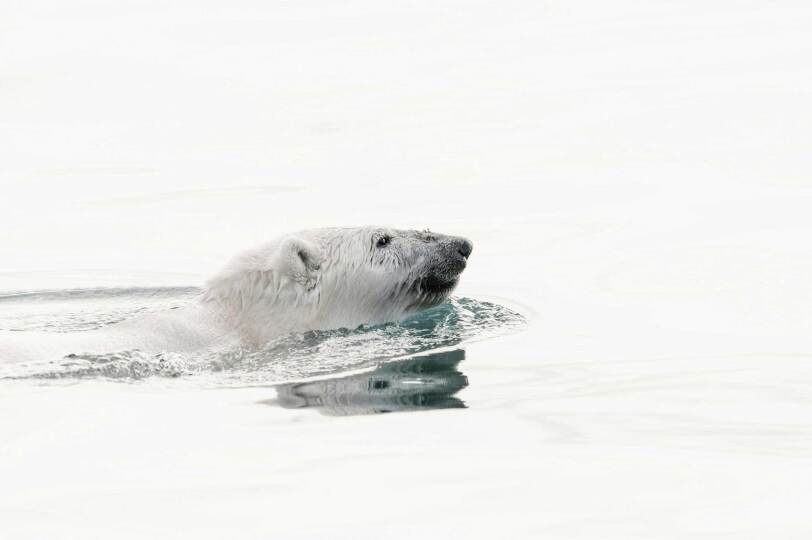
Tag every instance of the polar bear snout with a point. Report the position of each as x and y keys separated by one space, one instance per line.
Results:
x=463 y=246
x=447 y=258
x=457 y=250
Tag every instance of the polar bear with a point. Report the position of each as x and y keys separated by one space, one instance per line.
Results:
x=335 y=278
x=315 y=279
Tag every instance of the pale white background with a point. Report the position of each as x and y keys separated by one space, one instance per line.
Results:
x=636 y=177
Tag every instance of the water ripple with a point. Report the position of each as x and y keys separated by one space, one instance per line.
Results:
x=294 y=357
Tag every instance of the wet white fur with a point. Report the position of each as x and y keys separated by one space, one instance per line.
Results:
x=313 y=280
x=317 y=279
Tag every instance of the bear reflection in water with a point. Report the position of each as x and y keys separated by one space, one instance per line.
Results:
x=420 y=383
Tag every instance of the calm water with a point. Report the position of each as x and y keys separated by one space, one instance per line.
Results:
x=419 y=383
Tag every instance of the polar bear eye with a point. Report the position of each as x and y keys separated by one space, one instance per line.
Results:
x=383 y=241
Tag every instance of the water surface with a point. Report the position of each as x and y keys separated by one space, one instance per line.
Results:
x=293 y=357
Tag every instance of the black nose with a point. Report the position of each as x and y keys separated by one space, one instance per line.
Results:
x=464 y=247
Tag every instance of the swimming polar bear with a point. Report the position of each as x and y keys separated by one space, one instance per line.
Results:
x=335 y=278
x=317 y=279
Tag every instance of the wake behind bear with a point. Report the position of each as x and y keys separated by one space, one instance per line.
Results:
x=318 y=279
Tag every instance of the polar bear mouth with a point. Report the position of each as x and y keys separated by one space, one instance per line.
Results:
x=432 y=291
x=435 y=284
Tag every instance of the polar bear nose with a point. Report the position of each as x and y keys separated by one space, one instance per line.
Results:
x=464 y=247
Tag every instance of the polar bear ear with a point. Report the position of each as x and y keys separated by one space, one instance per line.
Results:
x=298 y=259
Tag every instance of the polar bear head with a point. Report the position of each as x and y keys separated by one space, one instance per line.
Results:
x=336 y=278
